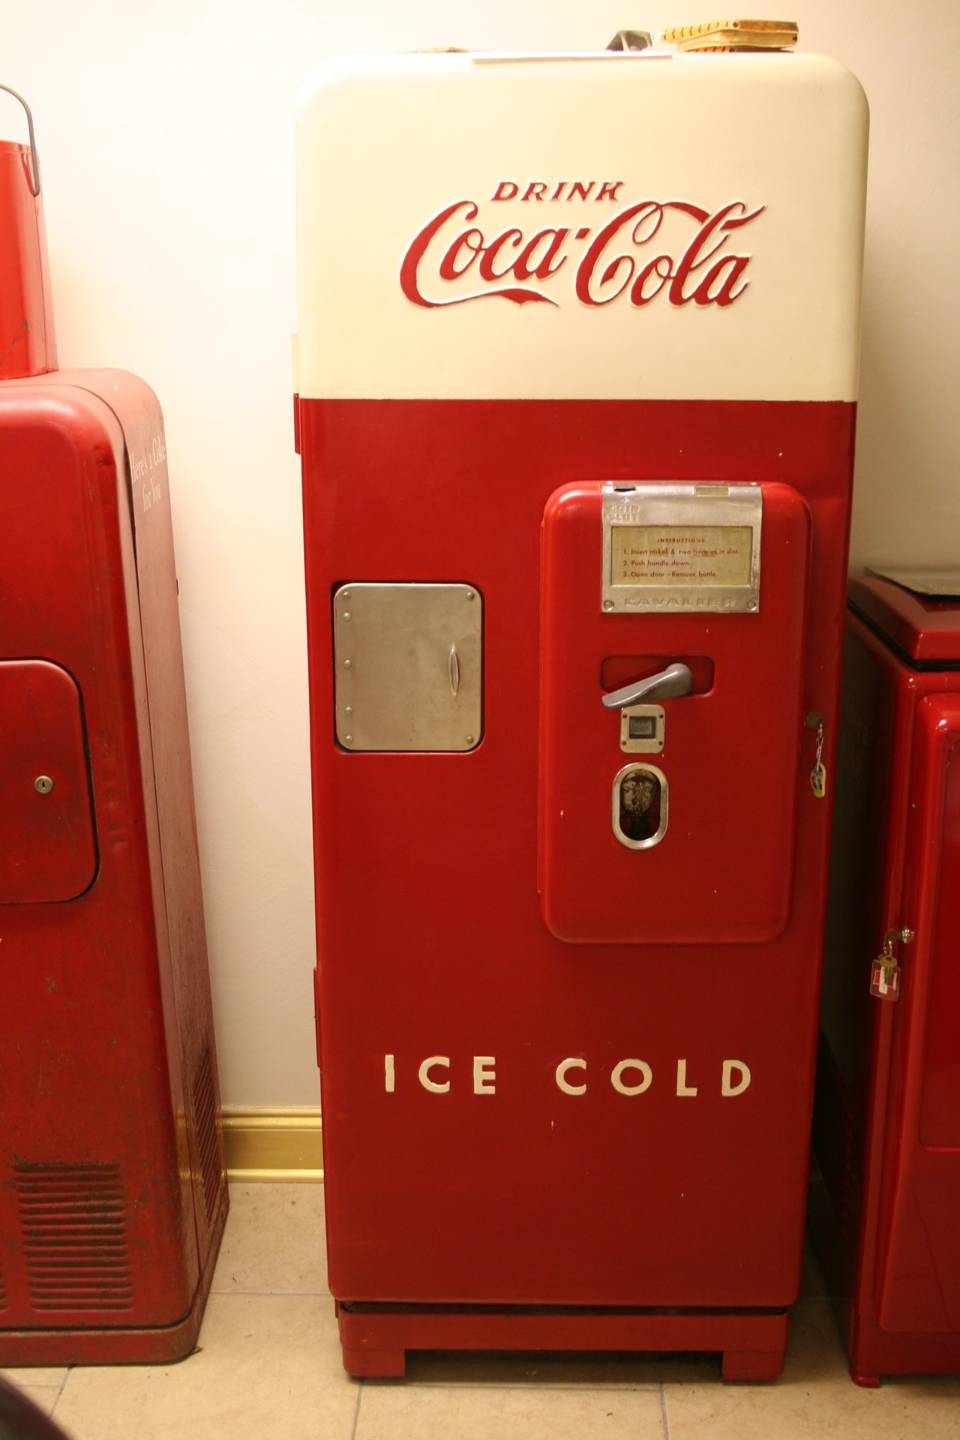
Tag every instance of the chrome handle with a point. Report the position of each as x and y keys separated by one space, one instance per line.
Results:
x=665 y=685
x=34 y=157
x=453 y=669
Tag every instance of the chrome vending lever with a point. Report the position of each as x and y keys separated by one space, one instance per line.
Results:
x=665 y=685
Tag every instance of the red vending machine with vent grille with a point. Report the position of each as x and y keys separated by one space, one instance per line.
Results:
x=112 y=1183
x=887 y=1120
x=576 y=414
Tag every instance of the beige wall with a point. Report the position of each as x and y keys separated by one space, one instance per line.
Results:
x=166 y=134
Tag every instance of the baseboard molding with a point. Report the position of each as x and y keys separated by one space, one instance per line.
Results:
x=273 y=1144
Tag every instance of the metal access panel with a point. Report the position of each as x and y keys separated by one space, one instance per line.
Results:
x=409 y=666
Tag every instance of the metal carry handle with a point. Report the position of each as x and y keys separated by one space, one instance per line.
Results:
x=676 y=680
x=34 y=156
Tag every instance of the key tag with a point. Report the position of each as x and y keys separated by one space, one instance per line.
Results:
x=885 y=970
x=885 y=978
x=818 y=775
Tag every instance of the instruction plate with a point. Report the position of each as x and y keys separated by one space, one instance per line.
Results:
x=681 y=547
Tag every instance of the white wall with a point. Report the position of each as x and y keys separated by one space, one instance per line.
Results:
x=166 y=135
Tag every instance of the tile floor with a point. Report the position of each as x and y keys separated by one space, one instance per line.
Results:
x=268 y=1368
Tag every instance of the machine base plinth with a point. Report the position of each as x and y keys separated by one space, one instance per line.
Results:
x=163 y=1345
x=376 y=1338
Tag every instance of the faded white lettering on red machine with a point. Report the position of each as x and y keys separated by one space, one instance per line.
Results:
x=573 y=1075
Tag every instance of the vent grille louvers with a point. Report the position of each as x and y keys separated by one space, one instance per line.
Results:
x=73 y=1227
x=208 y=1138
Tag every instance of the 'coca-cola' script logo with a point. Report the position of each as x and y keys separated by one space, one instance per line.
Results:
x=620 y=257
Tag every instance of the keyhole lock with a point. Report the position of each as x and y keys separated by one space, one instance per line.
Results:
x=43 y=784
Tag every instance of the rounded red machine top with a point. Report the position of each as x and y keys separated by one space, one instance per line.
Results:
x=27 y=341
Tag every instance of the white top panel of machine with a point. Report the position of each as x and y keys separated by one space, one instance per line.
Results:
x=612 y=226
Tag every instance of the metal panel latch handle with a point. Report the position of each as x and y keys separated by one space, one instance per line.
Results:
x=665 y=685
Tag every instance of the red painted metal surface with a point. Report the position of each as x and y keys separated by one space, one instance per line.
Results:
x=888 y=1090
x=112 y=1192
x=27 y=341
x=925 y=629
x=431 y=939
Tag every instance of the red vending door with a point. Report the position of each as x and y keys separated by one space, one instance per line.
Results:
x=617 y=865
x=575 y=524
x=891 y=1061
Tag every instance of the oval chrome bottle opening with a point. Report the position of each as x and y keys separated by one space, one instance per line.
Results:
x=640 y=809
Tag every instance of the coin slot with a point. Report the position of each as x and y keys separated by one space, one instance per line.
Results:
x=642 y=729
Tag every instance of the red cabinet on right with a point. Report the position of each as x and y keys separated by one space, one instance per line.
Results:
x=886 y=1220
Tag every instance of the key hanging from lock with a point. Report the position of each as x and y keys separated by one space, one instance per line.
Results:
x=818 y=775
x=885 y=970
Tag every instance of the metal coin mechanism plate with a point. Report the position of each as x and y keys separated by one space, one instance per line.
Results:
x=642 y=729
x=408 y=664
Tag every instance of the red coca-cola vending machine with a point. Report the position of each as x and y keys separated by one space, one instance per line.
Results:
x=577 y=364
x=887 y=1128
x=112 y=1186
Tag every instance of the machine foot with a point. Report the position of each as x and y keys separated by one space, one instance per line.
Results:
x=375 y=1364
x=752 y=1364
x=869 y=1382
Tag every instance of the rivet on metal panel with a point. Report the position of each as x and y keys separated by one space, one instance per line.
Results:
x=348 y=664
x=346 y=594
x=469 y=739
x=348 y=709
x=348 y=739
x=471 y=595
x=608 y=604
x=43 y=784
x=345 y=615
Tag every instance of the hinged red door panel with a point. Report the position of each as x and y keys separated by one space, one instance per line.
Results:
x=722 y=869
x=919 y=1276
x=47 y=840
